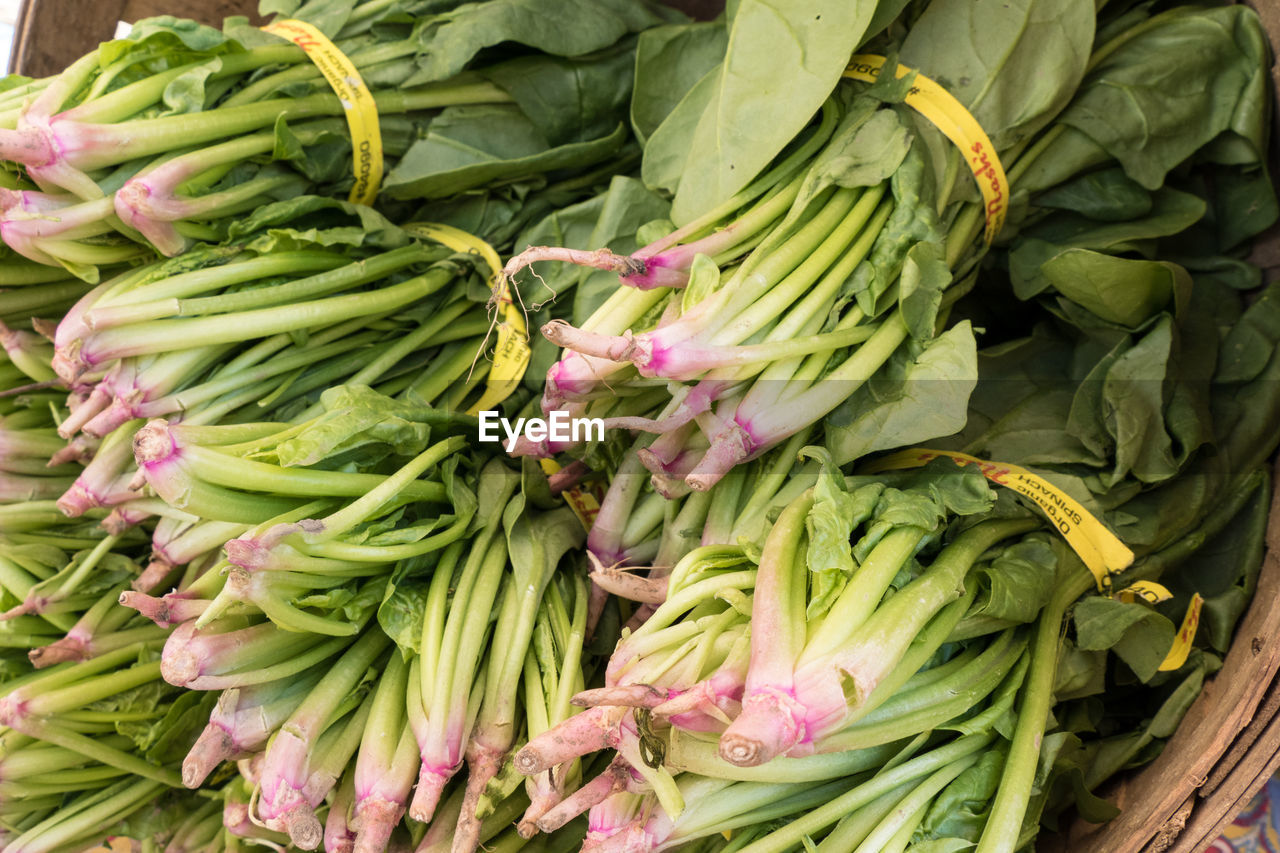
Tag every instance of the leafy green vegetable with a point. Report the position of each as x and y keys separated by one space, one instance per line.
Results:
x=919 y=396
x=669 y=61
x=781 y=62
x=1014 y=65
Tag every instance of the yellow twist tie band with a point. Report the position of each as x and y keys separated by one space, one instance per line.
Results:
x=511 y=357
x=357 y=103
x=1099 y=548
x=1186 y=635
x=957 y=124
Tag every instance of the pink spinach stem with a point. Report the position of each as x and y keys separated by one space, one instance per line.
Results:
x=304 y=760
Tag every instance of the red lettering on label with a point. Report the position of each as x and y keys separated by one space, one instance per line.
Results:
x=998 y=476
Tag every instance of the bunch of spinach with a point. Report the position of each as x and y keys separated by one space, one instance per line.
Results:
x=164 y=136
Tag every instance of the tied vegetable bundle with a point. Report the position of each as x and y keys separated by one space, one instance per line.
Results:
x=1120 y=255
x=690 y=414
x=823 y=291
x=276 y=543
x=258 y=327
x=474 y=602
x=270 y=563
x=167 y=135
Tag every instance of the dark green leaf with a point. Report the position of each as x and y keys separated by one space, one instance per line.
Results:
x=474 y=146
x=1014 y=63
x=924 y=276
x=400 y=615
x=923 y=396
x=453 y=38
x=1172 y=212
x=569 y=99
x=1139 y=635
x=669 y=61
x=1017 y=582
x=960 y=809
x=310 y=221
x=1107 y=195
x=1172 y=85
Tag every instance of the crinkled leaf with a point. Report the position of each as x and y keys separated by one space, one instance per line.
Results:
x=956 y=489
x=1174 y=85
x=324 y=157
x=356 y=415
x=866 y=148
x=959 y=812
x=1140 y=636
x=1017 y=583
x=348 y=603
x=451 y=39
x=925 y=275
x=472 y=146
x=912 y=221
x=164 y=35
x=921 y=397
x=400 y=614
x=186 y=94
x=309 y=221
x=924 y=497
x=836 y=512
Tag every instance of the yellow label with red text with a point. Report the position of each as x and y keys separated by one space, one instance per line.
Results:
x=1148 y=591
x=583 y=498
x=1154 y=593
x=356 y=99
x=956 y=123
x=1098 y=548
x=511 y=356
x=1186 y=636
